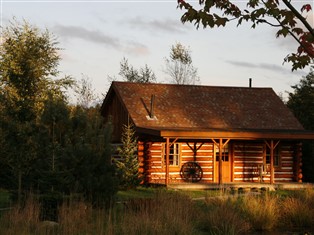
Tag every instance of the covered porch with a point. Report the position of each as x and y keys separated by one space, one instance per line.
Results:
x=219 y=138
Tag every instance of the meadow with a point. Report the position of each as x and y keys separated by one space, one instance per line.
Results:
x=160 y=211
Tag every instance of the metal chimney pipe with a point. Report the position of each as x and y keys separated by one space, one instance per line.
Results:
x=152 y=101
x=250 y=82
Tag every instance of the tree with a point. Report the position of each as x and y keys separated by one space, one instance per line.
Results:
x=90 y=157
x=301 y=102
x=179 y=65
x=280 y=14
x=28 y=61
x=55 y=123
x=129 y=74
x=128 y=165
x=85 y=92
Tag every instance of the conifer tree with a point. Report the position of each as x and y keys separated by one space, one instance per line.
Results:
x=128 y=165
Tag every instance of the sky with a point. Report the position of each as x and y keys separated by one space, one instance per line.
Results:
x=97 y=35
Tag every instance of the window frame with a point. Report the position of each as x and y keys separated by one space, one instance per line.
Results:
x=174 y=154
x=225 y=153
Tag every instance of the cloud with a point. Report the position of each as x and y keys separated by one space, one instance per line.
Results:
x=130 y=47
x=85 y=34
x=167 y=25
x=266 y=66
x=136 y=48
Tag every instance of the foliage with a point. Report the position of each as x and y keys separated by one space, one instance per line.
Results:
x=301 y=103
x=130 y=74
x=279 y=14
x=28 y=60
x=179 y=65
x=128 y=165
x=46 y=144
x=84 y=92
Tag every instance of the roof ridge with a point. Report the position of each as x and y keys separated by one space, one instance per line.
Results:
x=187 y=85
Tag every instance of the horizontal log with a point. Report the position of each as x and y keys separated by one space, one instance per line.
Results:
x=246 y=158
x=198 y=154
x=247 y=164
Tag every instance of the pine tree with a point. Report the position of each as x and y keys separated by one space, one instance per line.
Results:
x=128 y=165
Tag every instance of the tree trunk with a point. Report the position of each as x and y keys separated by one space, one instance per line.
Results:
x=19 y=192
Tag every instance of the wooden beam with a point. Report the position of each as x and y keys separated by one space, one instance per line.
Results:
x=175 y=140
x=245 y=135
x=223 y=145
x=268 y=144
x=194 y=148
x=167 y=161
x=220 y=161
x=272 y=147
x=298 y=163
x=231 y=160
x=271 y=161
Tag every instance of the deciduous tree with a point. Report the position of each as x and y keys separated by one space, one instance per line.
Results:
x=179 y=66
x=130 y=74
x=28 y=60
x=301 y=102
x=280 y=14
x=84 y=92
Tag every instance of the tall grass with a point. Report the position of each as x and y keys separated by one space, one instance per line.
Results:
x=75 y=217
x=167 y=212
x=298 y=210
x=221 y=216
x=163 y=214
x=262 y=212
x=22 y=219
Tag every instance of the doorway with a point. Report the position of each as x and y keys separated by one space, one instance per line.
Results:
x=226 y=173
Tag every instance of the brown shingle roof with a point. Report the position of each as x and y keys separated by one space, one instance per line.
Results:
x=203 y=107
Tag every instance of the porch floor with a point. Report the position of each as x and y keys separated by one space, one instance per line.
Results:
x=242 y=185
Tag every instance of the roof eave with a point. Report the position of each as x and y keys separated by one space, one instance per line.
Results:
x=229 y=134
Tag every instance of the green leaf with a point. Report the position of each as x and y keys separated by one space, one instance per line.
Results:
x=282 y=32
x=298 y=31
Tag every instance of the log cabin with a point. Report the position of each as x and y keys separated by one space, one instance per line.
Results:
x=208 y=134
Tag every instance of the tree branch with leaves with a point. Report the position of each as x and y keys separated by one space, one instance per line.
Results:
x=282 y=14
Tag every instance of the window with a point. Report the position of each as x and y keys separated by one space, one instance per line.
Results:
x=225 y=153
x=174 y=154
x=276 y=156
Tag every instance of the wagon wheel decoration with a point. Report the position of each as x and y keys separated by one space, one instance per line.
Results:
x=191 y=172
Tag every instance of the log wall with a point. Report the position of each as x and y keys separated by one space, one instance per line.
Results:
x=245 y=161
x=155 y=168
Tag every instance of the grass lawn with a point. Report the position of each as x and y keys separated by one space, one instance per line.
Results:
x=144 y=192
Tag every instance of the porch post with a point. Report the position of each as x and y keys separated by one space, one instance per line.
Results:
x=220 y=161
x=298 y=163
x=272 y=161
x=167 y=161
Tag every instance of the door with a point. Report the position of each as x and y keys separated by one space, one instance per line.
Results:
x=226 y=172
